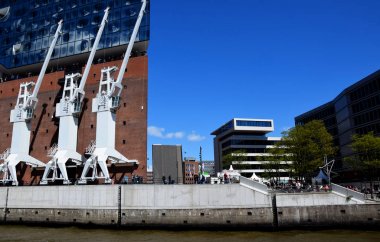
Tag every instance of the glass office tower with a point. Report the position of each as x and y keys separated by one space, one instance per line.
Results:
x=356 y=110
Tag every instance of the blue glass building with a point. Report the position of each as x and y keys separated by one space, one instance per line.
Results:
x=27 y=28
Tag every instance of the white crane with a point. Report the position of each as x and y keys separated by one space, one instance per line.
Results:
x=105 y=105
x=20 y=117
x=68 y=110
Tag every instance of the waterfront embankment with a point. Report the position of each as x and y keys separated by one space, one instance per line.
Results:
x=243 y=205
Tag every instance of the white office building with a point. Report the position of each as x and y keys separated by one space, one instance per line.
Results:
x=246 y=138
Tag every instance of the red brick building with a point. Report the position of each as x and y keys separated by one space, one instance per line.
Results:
x=190 y=171
x=27 y=31
x=131 y=123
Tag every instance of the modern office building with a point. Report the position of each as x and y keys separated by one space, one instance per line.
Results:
x=26 y=31
x=245 y=138
x=356 y=110
x=167 y=162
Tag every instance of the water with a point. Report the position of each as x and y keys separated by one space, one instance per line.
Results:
x=68 y=234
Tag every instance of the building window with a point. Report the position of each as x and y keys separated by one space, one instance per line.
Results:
x=253 y=123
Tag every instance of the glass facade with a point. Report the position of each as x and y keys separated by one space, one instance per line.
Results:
x=253 y=123
x=27 y=27
x=356 y=110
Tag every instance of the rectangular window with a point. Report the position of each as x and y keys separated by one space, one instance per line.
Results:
x=253 y=123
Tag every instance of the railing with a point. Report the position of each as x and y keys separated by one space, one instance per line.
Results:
x=348 y=193
x=91 y=147
x=5 y=154
x=51 y=152
x=257 y=186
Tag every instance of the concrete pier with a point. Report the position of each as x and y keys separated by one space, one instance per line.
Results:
x=226 y=205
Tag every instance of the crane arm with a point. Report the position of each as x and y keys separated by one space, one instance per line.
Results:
x=118 y=83
x=80 y=89
x=32 y=99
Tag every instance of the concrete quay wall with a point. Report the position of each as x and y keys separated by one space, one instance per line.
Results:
x=199 y=206
x=353 y=216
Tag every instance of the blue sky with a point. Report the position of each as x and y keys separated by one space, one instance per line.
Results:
x=213 y=60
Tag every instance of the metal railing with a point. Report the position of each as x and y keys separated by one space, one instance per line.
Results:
x=348 y=193
x=51 y=152
x=5 y=154
x=91 y=147
x=257 y=186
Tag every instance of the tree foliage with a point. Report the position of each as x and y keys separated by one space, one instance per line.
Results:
x=367 y=151
x=366 y=156
x=275 y=162
x=306 y=146
x=233 y=156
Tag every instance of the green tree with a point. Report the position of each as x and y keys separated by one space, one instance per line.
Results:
x=234 y=156
x=367 y=154
x=306 y=146
x=275 y=162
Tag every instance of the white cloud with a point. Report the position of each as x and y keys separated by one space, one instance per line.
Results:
x=194 y=137
x=177 y=135
x=155 y=131
x=160 y=133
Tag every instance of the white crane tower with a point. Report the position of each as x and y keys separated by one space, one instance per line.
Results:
x=20 y=117
x=68 y=110
x=105 y=105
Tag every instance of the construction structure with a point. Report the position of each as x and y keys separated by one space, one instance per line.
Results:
x=105 y=105
x=20 y=117
x=62 y=115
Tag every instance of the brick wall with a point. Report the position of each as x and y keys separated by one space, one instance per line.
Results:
x=131 y=120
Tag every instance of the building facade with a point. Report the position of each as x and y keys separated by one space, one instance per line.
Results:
x=190 y=170
x=26 y=31
x=209 y=167
x=356 y=110
x=167 y=163
x=245 y=138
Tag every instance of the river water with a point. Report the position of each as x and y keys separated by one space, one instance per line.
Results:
x=68 y=234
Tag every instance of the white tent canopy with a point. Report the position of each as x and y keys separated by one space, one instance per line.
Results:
x=255 y=177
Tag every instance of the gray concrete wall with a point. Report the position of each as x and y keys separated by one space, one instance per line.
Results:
x=329 y=216
x=312 y=199
x=65 y=197
x=192 y=197
x=219 y=206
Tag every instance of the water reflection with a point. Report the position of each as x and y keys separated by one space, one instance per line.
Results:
x=25 y=233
